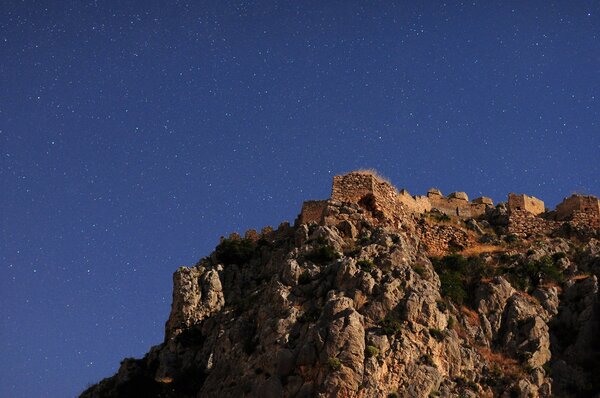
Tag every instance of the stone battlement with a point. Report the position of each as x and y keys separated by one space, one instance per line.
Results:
x=355 y=186
x=527 y=214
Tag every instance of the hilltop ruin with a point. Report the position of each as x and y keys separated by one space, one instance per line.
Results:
x=524 y=216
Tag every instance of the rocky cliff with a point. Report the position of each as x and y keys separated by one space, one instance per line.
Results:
x=354 y=306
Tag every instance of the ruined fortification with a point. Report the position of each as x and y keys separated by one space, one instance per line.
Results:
x=367 y=188
x=525 y=215
x=359 y=299
x=357 y=186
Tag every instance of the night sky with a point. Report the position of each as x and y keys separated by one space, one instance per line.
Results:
x=134 y=134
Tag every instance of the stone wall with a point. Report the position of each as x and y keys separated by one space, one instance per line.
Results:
x=312 y=211
x=457 y=207
x=383 y=201
x=352 y=187
x=524 y=224
x=580 y=204
x=387 y=199
x=439 y=240
x=355 y=186
x=585 y=220
x=527 y=203
x=415 y=204
x=370 y=191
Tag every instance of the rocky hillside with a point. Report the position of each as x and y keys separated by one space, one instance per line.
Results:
x=356 y=306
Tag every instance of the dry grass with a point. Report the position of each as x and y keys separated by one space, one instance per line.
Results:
x=374 y=173
x=509 y=366
x=481 y=248
x=471 y=316
x=462 y=333
x=548 y=285
x=527 y=297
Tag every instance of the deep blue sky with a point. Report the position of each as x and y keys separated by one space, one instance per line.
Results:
x=132 y=136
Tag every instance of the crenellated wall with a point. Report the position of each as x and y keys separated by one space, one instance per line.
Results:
x=527 y=215
x=453 y=206
x=353 y=187
x=313 y=211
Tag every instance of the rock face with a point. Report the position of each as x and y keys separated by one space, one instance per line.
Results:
x=353 y=307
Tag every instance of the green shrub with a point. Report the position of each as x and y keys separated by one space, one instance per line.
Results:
x=334 y=364
x=511 y=238
x=460 y=275
x=390 y=326
x=322 y=255
x=451 y=322
x=453 y=287
x=235 y=251
x=440 y=217
x=371 y=351
x=365 y=265
x=527 y=275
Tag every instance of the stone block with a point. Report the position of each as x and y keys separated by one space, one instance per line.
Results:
x=459 y=195
x=484 y=200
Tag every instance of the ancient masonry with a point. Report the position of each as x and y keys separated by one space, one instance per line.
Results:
x=527 y=216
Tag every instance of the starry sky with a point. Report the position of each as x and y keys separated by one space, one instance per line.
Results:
x=134 y=134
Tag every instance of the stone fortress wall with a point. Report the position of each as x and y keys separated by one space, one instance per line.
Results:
x=313 y=211
x=527 y=215
x=527 y=203
x=577 y=203
x=354 y=186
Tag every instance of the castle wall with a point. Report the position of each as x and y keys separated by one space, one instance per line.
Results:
x=422 y=204
x=585 y=220
x=457 y=207
x=382 y=201
x=438 y=240
x=577 y=203
x=354 y=187
x=527 y=203
x=351 y=187
x=524 y=223
x=312 y=211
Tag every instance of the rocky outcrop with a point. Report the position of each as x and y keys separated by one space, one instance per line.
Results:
x=197 y=294
x=351 y=306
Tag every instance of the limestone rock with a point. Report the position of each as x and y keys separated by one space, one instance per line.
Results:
x=351 y=306
x=459 y=195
